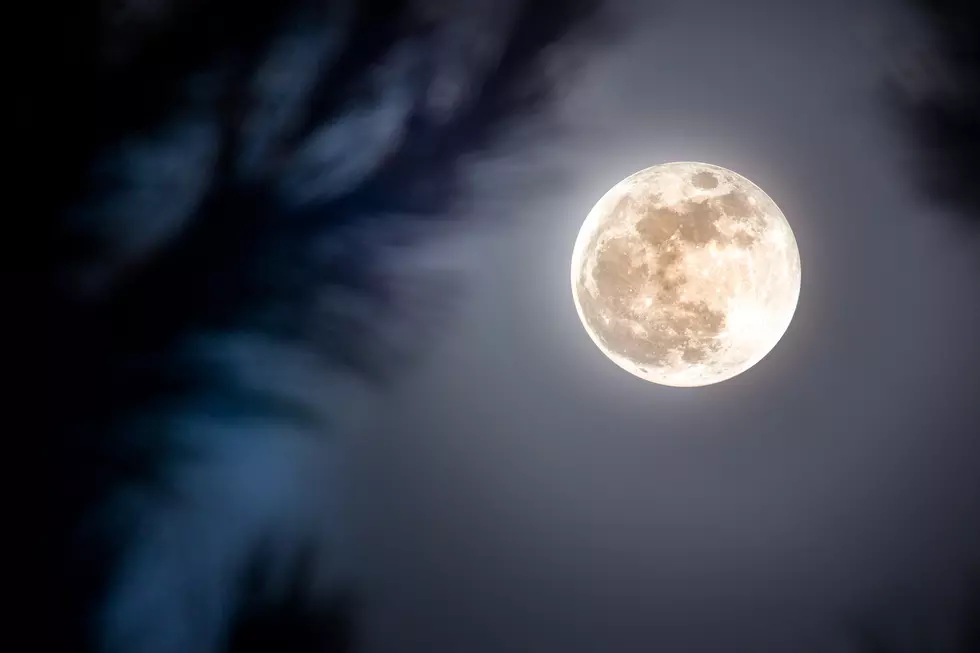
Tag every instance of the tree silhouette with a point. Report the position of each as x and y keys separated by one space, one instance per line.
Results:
x=228 y=187
x=945 y=118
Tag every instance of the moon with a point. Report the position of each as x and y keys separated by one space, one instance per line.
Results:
x=686 y=274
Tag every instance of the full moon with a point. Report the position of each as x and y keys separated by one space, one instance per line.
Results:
x=685 y=274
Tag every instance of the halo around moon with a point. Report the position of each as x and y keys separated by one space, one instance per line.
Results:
x=685 y=274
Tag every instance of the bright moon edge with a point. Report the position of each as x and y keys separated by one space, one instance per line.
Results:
x=695 y=376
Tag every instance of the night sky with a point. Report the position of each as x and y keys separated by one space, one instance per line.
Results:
x=315 y=375
x=522 y=493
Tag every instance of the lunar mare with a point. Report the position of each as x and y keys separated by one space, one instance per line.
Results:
x=685 y=274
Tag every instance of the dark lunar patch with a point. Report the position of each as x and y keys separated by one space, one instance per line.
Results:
x=707 y=323
x=615 y=276
x=623 y=212
x=698 y=224
x=688 y=328
x=669 y=286
x=694 y=223
x=668 y=280
x=704 y=180
x=657 y=225
x=668 y=256
x=743 y=239
x=692 y=354
x=736 y=204
x=690 y=333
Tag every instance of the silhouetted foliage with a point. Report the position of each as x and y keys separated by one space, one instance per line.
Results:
x=943 y=114
x=225 y=186
x=946 y=117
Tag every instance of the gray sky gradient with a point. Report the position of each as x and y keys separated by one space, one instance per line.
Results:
x=541 y=499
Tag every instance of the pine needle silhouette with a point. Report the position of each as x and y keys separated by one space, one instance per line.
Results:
x=945 y=120
x=232 y=187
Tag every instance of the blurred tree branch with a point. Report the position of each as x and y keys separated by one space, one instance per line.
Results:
x=945 y=117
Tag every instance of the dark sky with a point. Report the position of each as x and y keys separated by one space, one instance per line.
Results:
x=522 y=493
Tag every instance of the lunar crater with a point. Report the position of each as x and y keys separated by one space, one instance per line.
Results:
x=676 y=277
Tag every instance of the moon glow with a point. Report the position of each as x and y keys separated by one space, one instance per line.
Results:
x=685 y=274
